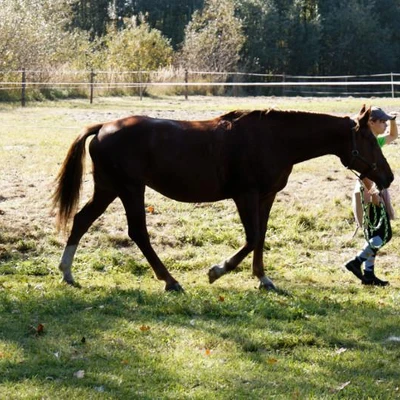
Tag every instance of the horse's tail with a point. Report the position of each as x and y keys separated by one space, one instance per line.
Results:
x=69 y=179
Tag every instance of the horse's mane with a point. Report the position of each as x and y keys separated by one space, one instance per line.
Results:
x=238 y=115
x=232 y=119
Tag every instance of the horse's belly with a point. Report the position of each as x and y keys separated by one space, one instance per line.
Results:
x=196 y=189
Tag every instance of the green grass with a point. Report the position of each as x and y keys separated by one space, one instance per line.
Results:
x=120 y=336
x=133 y=340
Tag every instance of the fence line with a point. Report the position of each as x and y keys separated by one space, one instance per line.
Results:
x=288 y=83
x=191 y=72
x=266 y=84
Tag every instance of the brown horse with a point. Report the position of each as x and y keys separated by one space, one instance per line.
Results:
x=246 y=156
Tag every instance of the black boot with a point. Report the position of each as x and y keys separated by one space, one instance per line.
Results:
x=371 y=279
x=354 y=266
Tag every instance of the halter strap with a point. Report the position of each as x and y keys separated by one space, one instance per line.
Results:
x=355 y=155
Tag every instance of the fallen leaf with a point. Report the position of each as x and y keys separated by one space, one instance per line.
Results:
x=79 y=374
x=341 y=387
x=125 y=362
x=37 y=330
x=272 y=361
x=208 y=352
x=144 y=328
x=221 y=298
x=150 y=209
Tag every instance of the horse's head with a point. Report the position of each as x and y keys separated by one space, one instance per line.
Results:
x=366 y=155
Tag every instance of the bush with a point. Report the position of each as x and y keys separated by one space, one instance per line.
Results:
x=136 y=48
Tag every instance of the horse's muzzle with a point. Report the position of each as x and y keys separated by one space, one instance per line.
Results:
x=385 y=183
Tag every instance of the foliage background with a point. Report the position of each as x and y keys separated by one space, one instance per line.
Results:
x=327 y=37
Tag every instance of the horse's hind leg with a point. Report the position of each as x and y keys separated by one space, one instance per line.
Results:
x=133 y=201
x=82 y=222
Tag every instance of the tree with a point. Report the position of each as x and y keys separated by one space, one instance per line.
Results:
x=214 y=38
x=304 y=35
x=92 y=16
x=388 y=14
x=169 y=17
x=40 y=39
x=353 y=41
x=281 y=36
x=137 y=47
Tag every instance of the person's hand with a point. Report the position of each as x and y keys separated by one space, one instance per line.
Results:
x=376 y=199
x=394 y=114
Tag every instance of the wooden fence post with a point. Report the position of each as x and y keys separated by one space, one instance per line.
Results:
x=186 y=81
x=23 y=88
x=92 y=75
x=140 y=85
x=391 y=78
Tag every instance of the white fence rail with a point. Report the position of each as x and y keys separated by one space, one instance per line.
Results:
x=387 y=85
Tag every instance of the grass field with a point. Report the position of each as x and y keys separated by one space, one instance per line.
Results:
x=120 y=336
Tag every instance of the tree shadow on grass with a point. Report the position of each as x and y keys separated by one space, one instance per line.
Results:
x=125 y=339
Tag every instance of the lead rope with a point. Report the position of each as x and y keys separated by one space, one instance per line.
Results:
x=372 y=225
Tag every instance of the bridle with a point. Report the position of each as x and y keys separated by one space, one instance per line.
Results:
x=355 y=155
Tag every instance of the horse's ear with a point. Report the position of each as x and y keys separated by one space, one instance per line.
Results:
x=363 y=116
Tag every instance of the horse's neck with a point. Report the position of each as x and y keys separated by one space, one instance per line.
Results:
x=313 y=143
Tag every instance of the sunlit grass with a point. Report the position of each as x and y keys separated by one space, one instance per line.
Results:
x=120 y=336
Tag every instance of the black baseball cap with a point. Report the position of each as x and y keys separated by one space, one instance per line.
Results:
x=378 y=113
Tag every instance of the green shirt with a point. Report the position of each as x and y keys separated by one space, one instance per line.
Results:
x=381 y=141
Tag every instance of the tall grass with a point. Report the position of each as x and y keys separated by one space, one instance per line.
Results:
x=52 y=84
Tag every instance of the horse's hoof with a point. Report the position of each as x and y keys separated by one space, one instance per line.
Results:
x=267 y=284
x=71 y=282
x=174 y=287
x=213 y=273
x=269 y=288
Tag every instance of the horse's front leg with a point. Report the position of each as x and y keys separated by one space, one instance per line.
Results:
x=248 y=208
x=258 y=259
